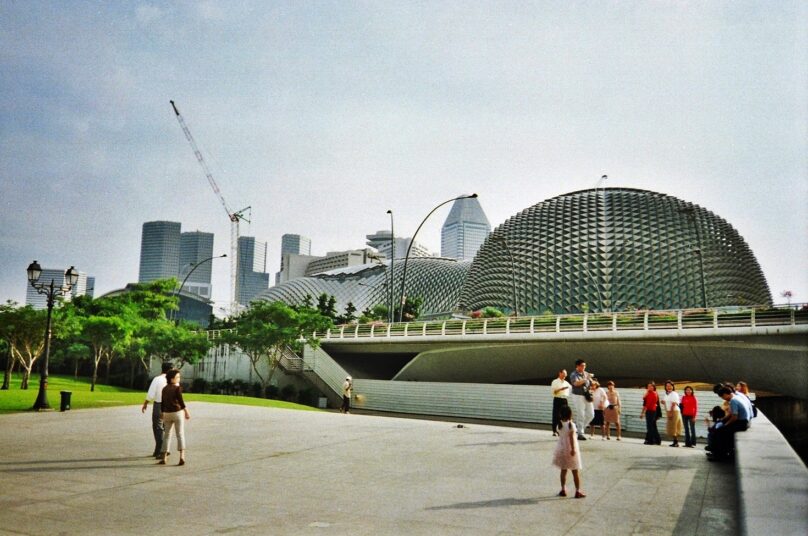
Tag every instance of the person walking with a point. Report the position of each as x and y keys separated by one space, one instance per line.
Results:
x=155 y=394
x=650 y=403
x=347 y=389
x=581 y=381
x=560 y=388
x=173 y=404
x=673 y=416
x=567 y=455
x=611 y=415
x=690 y=409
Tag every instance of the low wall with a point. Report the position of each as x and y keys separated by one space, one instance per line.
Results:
x=772 y=482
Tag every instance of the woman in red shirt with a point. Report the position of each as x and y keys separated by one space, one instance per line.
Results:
x=650 y=404
x=690 y=408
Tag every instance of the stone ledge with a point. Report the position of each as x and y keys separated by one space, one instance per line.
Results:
x=772 y=482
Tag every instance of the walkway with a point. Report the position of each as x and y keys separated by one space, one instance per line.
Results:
x=262 y=471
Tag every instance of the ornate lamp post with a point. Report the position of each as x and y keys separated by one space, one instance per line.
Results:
x=412 y=241
x=50 y=290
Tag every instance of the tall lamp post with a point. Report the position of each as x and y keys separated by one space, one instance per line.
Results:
x=409 y=247
x=50 y=290
x=504 y=242
x=195 y=266
x=391 y=313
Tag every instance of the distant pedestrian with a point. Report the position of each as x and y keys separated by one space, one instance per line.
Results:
x=155 y=393
x=599 y=402
x=347 y=389
x=173 y=404
x=650 y=407
x=690 y=410
x=611 y=415
x=581 y=382
x=567 y=455
x=561 y=391
x=673 y=416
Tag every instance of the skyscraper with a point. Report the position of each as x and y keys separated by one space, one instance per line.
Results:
x=297 y=244
x=251 y=277
x=464 y=230
x=159 y=250
x=195 y=247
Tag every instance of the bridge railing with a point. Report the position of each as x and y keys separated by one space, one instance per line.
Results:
x=680 y=319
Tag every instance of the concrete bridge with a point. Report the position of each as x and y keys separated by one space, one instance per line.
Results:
x=766 y=348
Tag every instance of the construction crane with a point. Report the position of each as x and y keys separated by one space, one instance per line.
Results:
x=234 y=217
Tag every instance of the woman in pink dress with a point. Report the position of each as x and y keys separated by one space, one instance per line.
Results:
x=567 y=456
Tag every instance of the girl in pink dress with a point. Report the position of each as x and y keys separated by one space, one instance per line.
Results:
x=567 y=456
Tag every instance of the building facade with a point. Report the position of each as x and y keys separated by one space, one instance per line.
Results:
x=297 y=244
x=380 y=241
x=196 y=247
x=464 y=231
x=251 y=277
x=159 y=250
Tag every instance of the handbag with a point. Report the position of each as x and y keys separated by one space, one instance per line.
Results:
x=588 y=395
x=658 y=410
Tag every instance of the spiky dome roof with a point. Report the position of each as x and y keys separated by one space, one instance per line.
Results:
x=613 y=249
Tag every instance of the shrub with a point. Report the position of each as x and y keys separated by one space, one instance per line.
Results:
x=199 y=385
x=272 y=392
x=289 y=393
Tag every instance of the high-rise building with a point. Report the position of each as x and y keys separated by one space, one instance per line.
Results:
x=297 y=244
x=464 y=231
x=251 y=275
x=196 y=247
x=159 y=250
x=40 y=301
x=341 y=259
x=380 y=240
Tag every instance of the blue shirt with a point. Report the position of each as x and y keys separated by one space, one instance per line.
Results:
x=576 y=377
x=739 y=409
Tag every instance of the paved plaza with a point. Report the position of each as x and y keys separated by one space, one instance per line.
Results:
x=268 y=471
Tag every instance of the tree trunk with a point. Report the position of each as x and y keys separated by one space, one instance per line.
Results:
x=9 y=369
x=26 y=373
x=131 y=373
x=107 y=363
x=76 y=368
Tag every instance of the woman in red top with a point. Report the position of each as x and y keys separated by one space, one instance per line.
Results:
x=690 y=408
x=649 y=410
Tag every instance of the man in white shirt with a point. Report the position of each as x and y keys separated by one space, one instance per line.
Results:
x=561 y=390
x=155 y=393
x=347 y=389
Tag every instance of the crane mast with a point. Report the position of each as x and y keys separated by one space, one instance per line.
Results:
x=234 y=217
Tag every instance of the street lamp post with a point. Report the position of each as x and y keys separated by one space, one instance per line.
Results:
x=390 y=311
x=50 y=290
x=409 y=247
x=504 y=242
x=194 y=267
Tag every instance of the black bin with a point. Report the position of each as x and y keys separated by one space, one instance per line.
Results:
x=65 y=405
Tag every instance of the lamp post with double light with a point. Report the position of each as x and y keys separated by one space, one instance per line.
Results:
x=390 y=312
x=51 y=290
x=409 y=247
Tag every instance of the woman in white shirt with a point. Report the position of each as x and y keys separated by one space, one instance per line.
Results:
x=670 y=401
x=599 y=401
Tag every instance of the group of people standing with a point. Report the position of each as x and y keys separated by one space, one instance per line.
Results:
x=592 y=405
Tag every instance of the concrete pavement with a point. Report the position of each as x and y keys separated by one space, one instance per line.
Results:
x=265 y=471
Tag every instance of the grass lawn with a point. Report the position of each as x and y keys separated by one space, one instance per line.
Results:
x=104 y=396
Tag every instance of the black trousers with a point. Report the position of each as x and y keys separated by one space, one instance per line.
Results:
x=558 y=403
x=157 y=428
x=723 y=438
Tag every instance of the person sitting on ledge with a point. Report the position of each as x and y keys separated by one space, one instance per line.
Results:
x=723 y=446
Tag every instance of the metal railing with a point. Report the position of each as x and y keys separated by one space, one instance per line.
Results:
x=680 y=319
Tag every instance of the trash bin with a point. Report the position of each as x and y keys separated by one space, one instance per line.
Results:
x=65 y=405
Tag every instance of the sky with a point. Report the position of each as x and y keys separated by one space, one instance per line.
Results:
x=323 y=115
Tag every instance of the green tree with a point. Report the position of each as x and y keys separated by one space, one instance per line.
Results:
x=349 y=316
x=412 y=308
x=23 y=329
x=178 y=343
x=326 y=305
x=266 y=329
x=372 y=314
